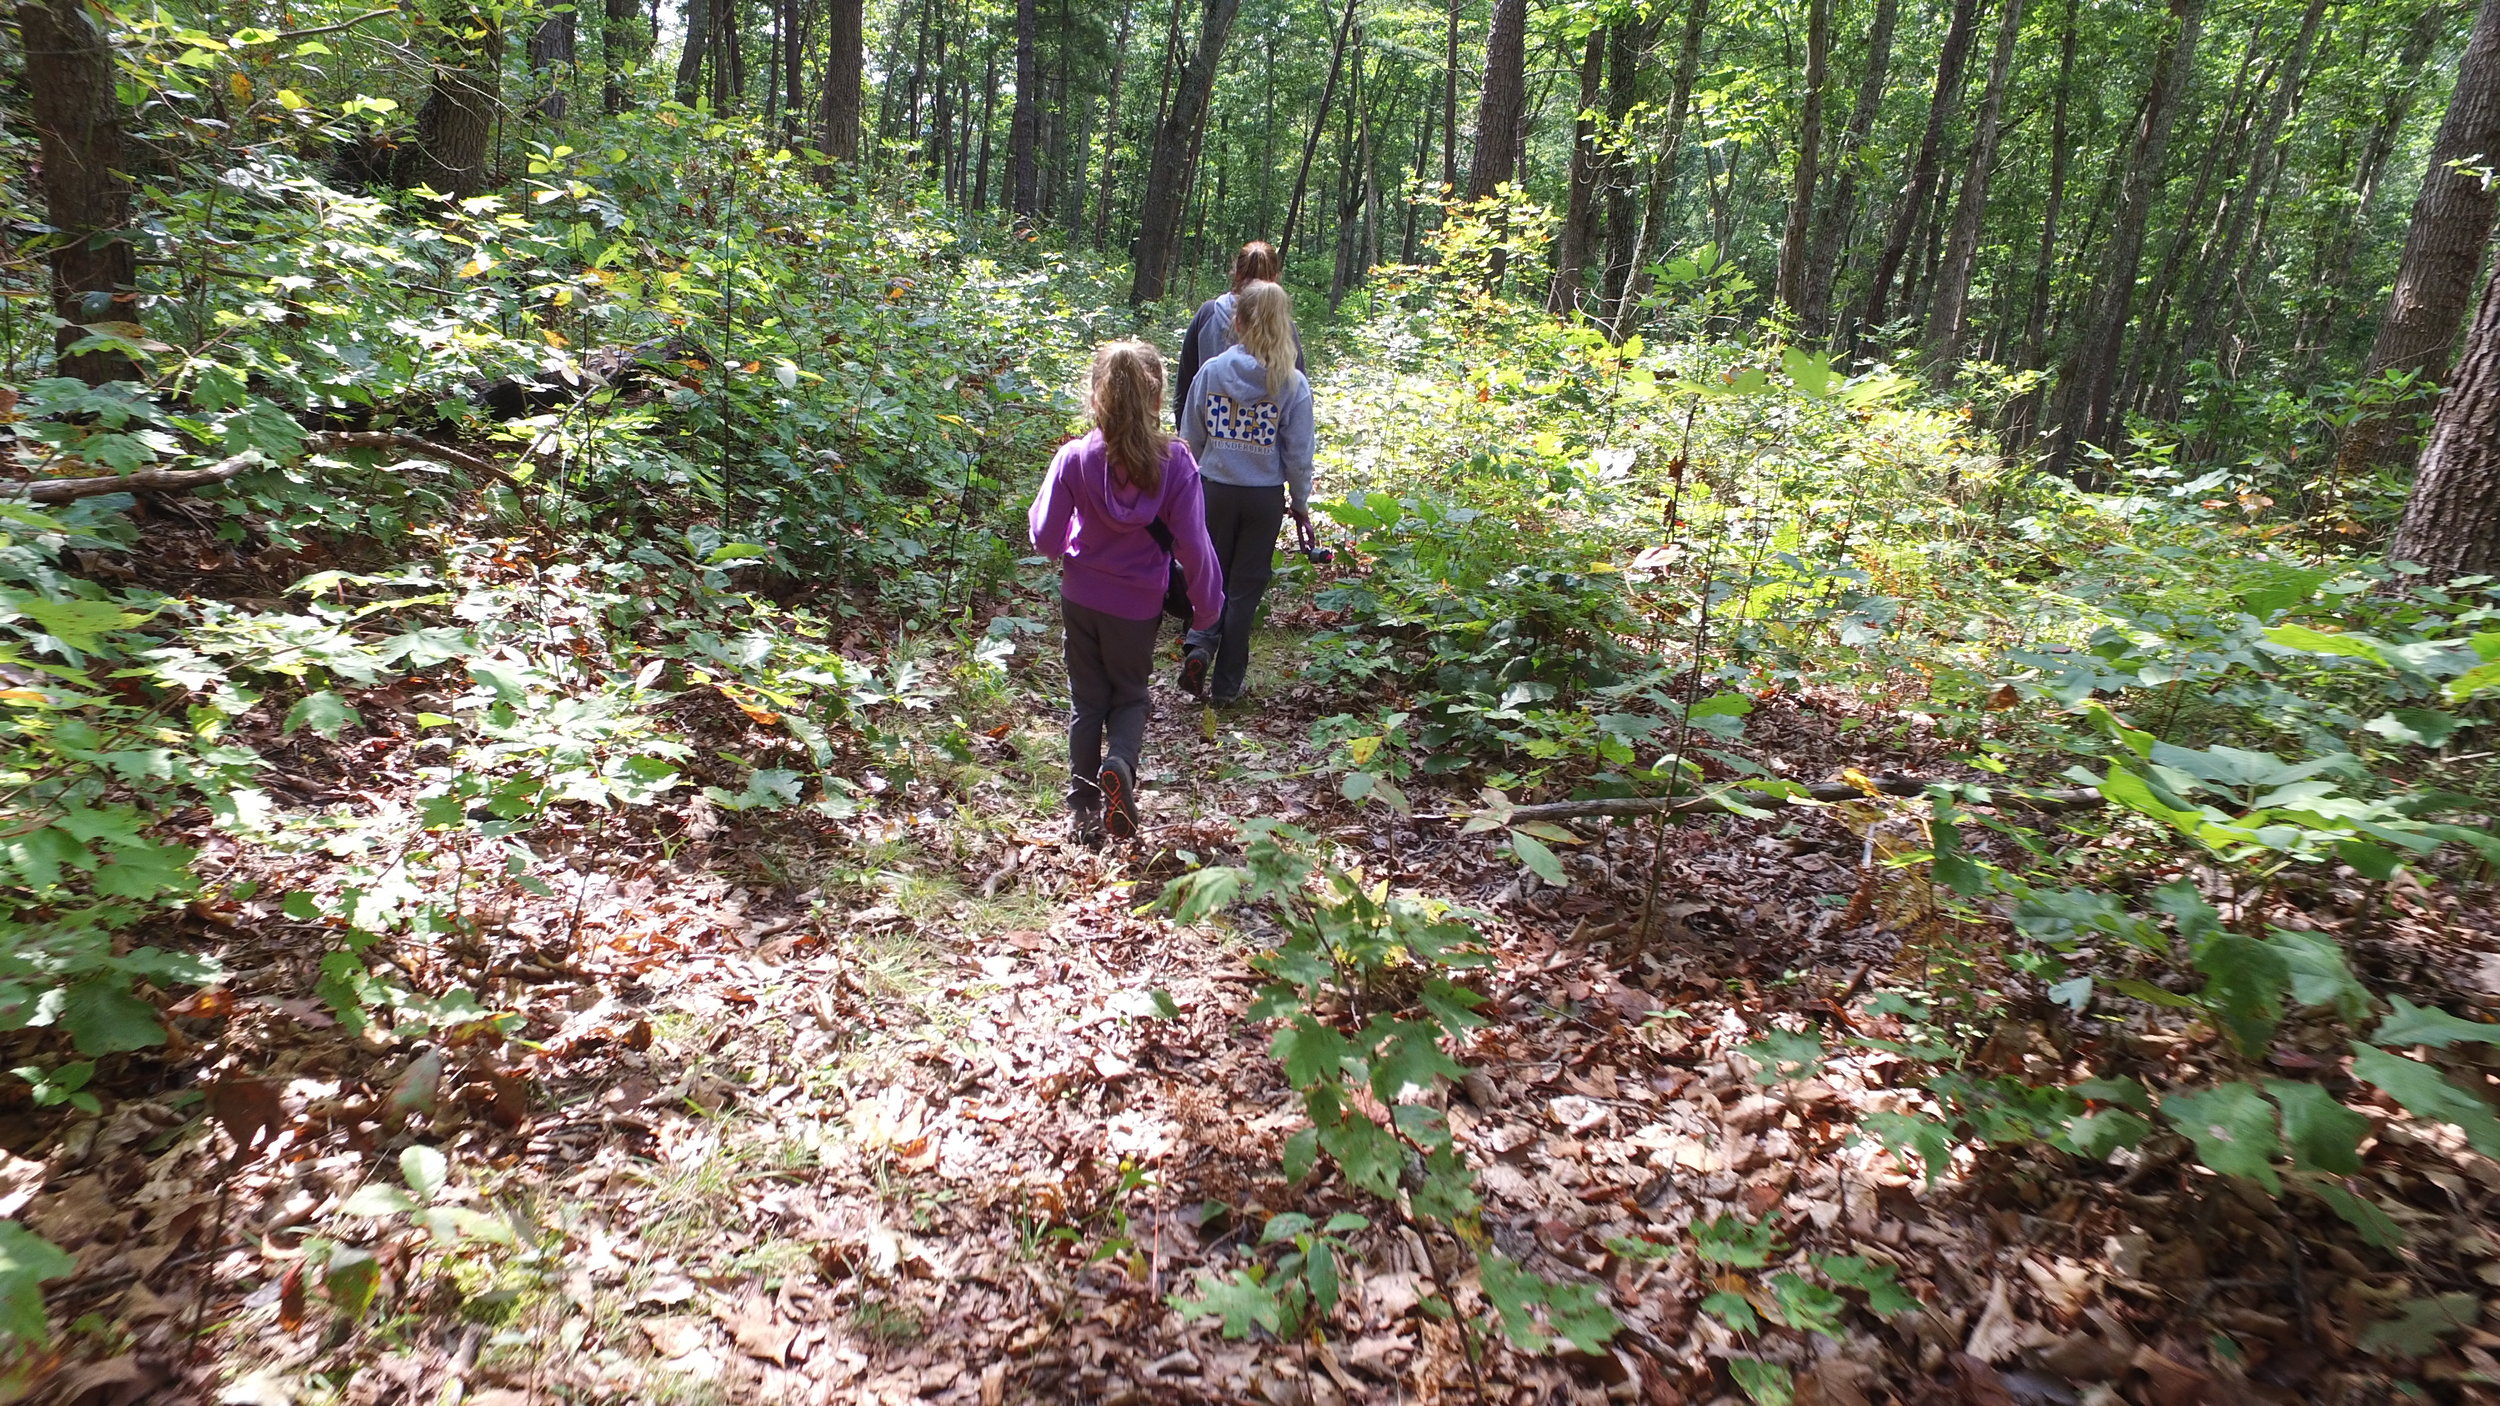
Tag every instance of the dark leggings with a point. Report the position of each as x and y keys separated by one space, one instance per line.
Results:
x=1242 y=522
x=1110 y=664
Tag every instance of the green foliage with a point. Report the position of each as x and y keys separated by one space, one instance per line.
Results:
x=1362 y=992
x=27 y=1260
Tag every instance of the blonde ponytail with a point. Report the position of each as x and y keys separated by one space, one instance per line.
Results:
x=1263 y=323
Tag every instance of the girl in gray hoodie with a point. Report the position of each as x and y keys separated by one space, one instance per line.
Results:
x=1248 y=421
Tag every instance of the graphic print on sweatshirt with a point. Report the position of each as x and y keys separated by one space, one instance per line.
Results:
x=1254 y=423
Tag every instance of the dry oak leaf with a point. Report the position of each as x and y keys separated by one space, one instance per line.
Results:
x=758 y=1333
x=2000 y=1333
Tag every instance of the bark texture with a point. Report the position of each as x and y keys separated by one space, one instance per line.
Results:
x=1832 y=225
x=1919 y=190
x=1024 y=124
x=1790 y=291
x=78 y=121
x=1503 y=106
x=838 y=106
x=2452 y=521
x=1176 y=139
x=453 y=149
x=1961 y=251
x=2444 y=246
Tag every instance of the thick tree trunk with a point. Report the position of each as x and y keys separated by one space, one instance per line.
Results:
x=1319 y=124
x=1652 y=232
x=2091 y=388
x=2444 y=247
x=1023 y=190
x=2452 y=522
x=623 y=42
x=698 y=40
x=1502 y=109
x=793 y=53
x=78 y=121
x=1961 y=252
x=1167 y=174
x=1790 y=290
x=1571 y=250
x=551 y=51
x=838 y=106
x=1926 y=163
x=456 y=126
x=1832 y=224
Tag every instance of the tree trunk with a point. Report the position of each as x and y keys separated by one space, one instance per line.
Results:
x=1571 y=251
x=698 y=40
x=1627 y=51
x=838 y=108
x=456 y=126
x=2091 y=387
x=1449 y=102
x=1167 y=174
x=78 y=119
x=620 y=46
x=1832 y=224
x=2036 y=323
x=1652 y=231
x=1319 y=124
x=551 y=51
x=1926 y=163
x=941 y=109
x=2452 y=520
x=1111 y=127
x=2335 y=249
x=1789 y=292
x=793 y=50
x=989 y=112
x=2444 y=246
x=1502 y=109
x=1961 y=254
x=1024 y=194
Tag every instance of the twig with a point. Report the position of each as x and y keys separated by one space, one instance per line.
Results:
x=67 y=490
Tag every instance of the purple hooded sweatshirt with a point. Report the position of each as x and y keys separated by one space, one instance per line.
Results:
x=1109 y=561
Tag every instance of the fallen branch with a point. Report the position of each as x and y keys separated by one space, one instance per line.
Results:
x=68 y=490
x=1825 y=792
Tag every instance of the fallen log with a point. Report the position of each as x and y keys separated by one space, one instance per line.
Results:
x=69 y=490
x=1825 y=792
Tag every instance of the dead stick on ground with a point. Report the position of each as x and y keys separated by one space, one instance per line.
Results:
x=67 y=490
x=1826 y=793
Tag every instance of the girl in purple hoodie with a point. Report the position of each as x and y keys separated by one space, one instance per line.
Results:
x=1097 y=514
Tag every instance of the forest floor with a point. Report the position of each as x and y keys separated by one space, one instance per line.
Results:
x=919 y=1106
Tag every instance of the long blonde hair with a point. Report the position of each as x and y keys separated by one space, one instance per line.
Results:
x=1127 y=401
x=1263 y=323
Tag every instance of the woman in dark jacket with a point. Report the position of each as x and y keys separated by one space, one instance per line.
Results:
x=1211 y=331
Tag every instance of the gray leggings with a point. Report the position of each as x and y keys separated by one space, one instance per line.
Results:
x=1110 y=667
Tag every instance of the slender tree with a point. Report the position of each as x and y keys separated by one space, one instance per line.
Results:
x=2444 y=246
x=1571 y=251
x=2452 y=519
x=1176 y=139
x=698 y=41
x=1111 y=126
x=1831 y=224
x=1449 y=101
x=1961 y=252
x=1319 y=124
x=1790 y=291
x=1650 y=233
x=1502 y=106
x=1919 y=189
x=2091 y=385
x=78 y=123
x=1023 y=179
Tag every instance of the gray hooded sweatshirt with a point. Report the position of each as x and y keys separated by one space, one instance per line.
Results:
x=1244 y=436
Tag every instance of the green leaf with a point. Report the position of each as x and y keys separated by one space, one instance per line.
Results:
x=1884 y=1295
x=1800 y=1303
x=1785 y=1056
x=2324 y=1135
x=2419 y=727
x=1310 y=1051
x=2103 y=1131
x=1411 y=1055
x=2233 y=1129
x=1911 y=1132
x=104 y=1018
x=1515 y=1294
x=1368 y=1154
x=1729 y=1241
x=1768 y=1383
x=27 y=1260
x=352 y=1277
x=78 y=624
x=1284 y=1225
x=2419 y=1324
x=2377 y=1229
x=425 y=1169
x=379 y=1200
x=1301 y=1153
x=2320 y=975
x=2245 y=987
x=325 y=713
x=2424 y=1093
x=2428 y=1025
x=1540 y=860
x=1320 y=1272
x=1580 y=1316
x=1733 y=1309
x=1240 y=1301
x=1201 y=893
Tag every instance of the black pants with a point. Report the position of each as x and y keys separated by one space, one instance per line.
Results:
x=1242 y=522
x=1110 y=666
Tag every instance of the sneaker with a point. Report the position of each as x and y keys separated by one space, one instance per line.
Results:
x=1229 y=700
x=1119 y=797
x=1194 y=674
x=1085 y=826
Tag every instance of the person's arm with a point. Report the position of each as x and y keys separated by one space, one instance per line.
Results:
x=1185 y=514
x=1297 y=442
x=1194 y=419
x=1298 y=363
x=1190 y=360
x=1053 y=508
